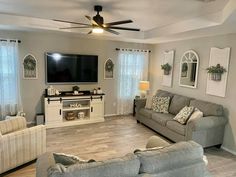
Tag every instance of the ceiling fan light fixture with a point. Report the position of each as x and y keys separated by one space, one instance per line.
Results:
x=97 y=30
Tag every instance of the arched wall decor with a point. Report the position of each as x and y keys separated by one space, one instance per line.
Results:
x=30 y=67
x=108 y=69
x=189 y=65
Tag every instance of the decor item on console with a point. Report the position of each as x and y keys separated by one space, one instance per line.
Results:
x=166 y=68
x=81 y=115
x=52 y=91
x=216 y=72
x=108 y=69
x=189 y=69
x=30 y=67
x=207 y=130
x=218 y=63
x=143 y=87
x=70 y=116
x=99 y=90
x=75 y=88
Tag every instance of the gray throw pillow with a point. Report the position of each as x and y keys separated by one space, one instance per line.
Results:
x=66 y=159
x=160 y=104
x=184 y=114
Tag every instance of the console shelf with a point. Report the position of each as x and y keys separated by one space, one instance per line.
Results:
x=58 y=108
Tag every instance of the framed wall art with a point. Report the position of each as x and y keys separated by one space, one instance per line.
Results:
x=218 y=58
x=168 y=63
x=108 y=69
x=30 y=70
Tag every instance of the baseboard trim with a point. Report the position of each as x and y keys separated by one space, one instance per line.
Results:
x=110 y=115
x=228 y=150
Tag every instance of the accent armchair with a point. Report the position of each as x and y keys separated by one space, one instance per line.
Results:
x=19 y=144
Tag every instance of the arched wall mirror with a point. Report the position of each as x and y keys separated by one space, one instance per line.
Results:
x=189 y=69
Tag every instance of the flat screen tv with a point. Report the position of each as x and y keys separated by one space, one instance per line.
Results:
x=71 y=68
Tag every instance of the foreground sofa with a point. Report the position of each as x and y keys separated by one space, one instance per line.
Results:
x=183 y=159
x=19 y=144
x=207 y=131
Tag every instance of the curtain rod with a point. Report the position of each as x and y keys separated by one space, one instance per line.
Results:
x=11 y=40
x=139 y=50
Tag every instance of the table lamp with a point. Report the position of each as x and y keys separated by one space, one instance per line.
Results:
x=143 y=87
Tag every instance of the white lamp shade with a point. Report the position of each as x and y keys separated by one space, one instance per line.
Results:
x=144 y=85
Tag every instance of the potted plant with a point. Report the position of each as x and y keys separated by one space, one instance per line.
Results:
x=166 y=68
x=216 y=72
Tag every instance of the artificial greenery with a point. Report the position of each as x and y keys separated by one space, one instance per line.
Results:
x=109 y=66
x=166 y=67
x=216 y=69
x=29 y=63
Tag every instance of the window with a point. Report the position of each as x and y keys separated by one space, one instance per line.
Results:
x=10 y=100
x=132 y=67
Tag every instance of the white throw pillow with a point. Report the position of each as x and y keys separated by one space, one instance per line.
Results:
x=184 y=114
x=196 y=114
x=149 y=102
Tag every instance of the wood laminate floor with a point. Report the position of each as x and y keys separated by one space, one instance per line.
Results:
x=115 y=137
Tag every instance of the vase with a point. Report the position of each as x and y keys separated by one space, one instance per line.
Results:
x=166 y=72
x=216 y=76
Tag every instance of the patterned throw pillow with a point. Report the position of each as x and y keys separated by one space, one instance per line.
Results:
x=160 y=104
x=66 y=159
x=184 y=114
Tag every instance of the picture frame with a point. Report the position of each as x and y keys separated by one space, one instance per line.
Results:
x=30 y=67
x=109 y=69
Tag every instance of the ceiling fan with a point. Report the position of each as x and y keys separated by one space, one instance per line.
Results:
x=97 y=24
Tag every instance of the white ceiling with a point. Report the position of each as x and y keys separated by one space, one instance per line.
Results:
x=159 y=20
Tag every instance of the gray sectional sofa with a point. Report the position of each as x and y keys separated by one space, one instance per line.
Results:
x=207 y=131
x=182 y=159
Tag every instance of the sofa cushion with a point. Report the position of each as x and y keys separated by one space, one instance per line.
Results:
x=160 y=104
x=176 y=127
x=162 y=118
x=170 y=157
x=208 y=109
x=127 y=166
x=177 y=103
x=163 y=93
x=146 y=112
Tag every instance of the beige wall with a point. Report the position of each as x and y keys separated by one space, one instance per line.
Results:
x=38 y=43
x=202 y=47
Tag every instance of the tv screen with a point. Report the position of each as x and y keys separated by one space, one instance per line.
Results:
x=71 y=68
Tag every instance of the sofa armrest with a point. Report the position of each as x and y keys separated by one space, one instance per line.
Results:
x=43 y=163
x=22 y=146
x=140 y=103
x=12 y=124
x=206 y=123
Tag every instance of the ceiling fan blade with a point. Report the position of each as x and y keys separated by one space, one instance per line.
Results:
x=73 y=27
x=111 y=31
x=117 y=23
x=77 y=23
x=90 y=32
x=88 y=17
x=124 y=28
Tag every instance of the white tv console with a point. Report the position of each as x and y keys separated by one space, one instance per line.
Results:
x=57 y=108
